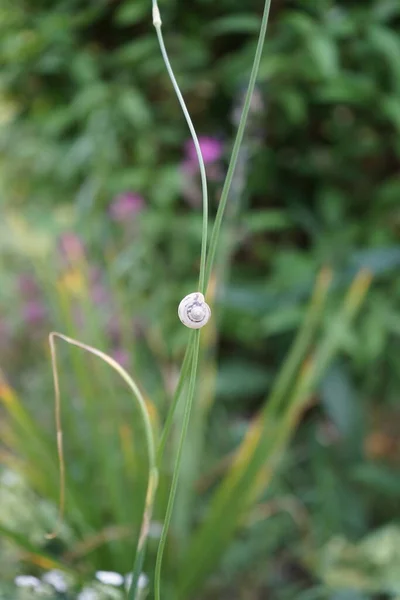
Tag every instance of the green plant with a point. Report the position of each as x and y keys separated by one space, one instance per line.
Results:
x=246 y=477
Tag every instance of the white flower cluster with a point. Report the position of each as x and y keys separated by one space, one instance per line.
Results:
x=52 y=580
x=105 y=587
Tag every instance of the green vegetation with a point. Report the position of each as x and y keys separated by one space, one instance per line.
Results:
x=288 y=485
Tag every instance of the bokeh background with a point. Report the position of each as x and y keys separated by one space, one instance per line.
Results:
x=100 y=235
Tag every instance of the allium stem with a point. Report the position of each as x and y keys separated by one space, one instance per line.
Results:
x=157 y=25
x=236 y=147
x=178 y=391
x=192 y=353
x=175 y=477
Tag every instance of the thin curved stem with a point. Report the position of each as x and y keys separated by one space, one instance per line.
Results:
x=157 y=25
x=178 y=460
x=153 y=473
x=192 y=354
x=236 y=147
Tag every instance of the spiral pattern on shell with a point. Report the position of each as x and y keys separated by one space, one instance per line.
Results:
x=194 y=311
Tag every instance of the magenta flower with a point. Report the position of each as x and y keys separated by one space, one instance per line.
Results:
x=121 y=356
x=125 y=206
x=211 y=149
x=99 y=293
x=71 y=246
x=34 y=312
x=98 y=290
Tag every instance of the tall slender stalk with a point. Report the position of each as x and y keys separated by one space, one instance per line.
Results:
x=153 y=474
x=157 y=24
x=236 y=147
x=178 y=460
x=187 y=361
x=192 y=353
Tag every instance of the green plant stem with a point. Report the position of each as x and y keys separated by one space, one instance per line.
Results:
x=153 y=477
x=157 y=25
x=236 y=147
x=195 y=344
x=192 y=354
x=142 y=544
x=178 y=391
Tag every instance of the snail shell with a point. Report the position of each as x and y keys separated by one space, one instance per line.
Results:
x=194 y=311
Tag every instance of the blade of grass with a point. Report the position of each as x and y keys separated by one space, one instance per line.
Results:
x=89 y=424
x=195 y=344
x=64 y=311
x=340 y=325
x=37 y=458
x=236 y=147
x=258 y=454
x=107 y=416
x=178 y=391
x=27 y=546
x=302 y=341
x=153 y=473
x=191 y=463
x=144 y=530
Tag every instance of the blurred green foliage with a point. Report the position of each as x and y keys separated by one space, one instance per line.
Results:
x=87 y=113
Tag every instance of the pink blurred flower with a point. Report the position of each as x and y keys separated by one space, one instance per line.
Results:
x=121 y=356
x=99 y=293
x=33 y=312
x=125 y=206
x=211 y=149
x=71 y=246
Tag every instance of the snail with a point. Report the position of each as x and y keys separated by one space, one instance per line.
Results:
x=194 y=311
